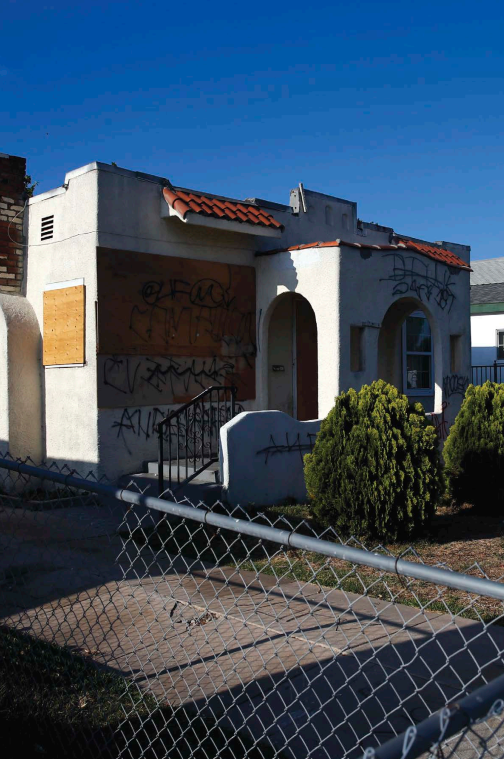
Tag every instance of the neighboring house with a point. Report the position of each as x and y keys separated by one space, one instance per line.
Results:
x=138 y=294
x=487 y=319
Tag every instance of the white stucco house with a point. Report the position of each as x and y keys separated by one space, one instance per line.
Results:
x=137 y=294
x=487 y=320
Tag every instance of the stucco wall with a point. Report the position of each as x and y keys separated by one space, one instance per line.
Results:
x=262 y=458
x=314 y=274
x=102 y=206
x=376 y=283
x=484 y=338
x=69 y=409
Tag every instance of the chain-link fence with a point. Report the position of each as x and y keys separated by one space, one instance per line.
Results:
x=137 y=627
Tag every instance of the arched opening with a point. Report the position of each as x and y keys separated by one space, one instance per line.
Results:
x=292 y=358
x=409 y=352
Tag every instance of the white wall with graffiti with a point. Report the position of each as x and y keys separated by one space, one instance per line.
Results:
x=262 y=458
x=172 y=308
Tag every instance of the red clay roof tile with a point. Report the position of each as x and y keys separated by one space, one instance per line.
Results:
x=185 y=203
x=437 y=254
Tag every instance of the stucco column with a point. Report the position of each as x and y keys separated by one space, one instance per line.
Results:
x=20 y=379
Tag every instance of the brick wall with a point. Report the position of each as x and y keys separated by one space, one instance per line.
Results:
x=12 y=200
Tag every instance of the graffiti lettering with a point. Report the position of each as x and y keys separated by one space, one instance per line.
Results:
x=180 y=312
x=425 y=280
x=125 y=374
x=454 y=384
x=197 y=432
x=274 y=448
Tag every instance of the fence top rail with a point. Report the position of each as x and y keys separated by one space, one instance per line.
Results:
x=428 y=735
x=289 y=538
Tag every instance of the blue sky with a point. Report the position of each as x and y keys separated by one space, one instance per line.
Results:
x=397 y=105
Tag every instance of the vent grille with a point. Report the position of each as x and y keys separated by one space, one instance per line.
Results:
x=47 y=228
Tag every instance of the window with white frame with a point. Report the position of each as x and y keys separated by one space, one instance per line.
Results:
x=500 y=345
x=417 y=355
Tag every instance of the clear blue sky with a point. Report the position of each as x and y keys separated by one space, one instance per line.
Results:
x=397 y=105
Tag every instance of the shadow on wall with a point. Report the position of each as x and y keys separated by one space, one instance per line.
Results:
x=483 y=355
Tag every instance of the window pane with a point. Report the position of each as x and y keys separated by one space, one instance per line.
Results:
x=500 y=346
x=418 y=372
x=418 y=334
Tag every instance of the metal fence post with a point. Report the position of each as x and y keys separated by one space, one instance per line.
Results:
x=160 y=461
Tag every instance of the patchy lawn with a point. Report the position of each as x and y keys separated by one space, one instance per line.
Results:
x=459 y=538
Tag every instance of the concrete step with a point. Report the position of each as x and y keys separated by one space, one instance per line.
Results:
x=210 y=474
x=195 y=492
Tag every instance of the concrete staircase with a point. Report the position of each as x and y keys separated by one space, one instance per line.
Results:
x=204 y=488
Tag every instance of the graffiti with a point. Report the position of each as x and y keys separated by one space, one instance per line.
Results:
x=454 y=384
x=197 y=432
x=178 y=312
x=144 y=380
x=274 y=448
x=424 y=279
x=440 y=423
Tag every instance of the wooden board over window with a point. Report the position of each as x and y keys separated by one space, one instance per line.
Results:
x=64 y=326
x=164 y=307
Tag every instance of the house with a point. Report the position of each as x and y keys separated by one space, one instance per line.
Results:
x=136 y=294
x=487 y=320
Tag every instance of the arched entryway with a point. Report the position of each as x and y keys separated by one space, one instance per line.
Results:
x=409 y=352
x=292 y=358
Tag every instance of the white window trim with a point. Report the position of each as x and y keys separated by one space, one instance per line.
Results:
x=416 y=391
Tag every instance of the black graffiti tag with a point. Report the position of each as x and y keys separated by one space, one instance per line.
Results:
x=296 y=446
x=454 y=384
x=426 y=281
x=125 y=374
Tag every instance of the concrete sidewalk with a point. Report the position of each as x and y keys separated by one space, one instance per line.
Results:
x=321 y=672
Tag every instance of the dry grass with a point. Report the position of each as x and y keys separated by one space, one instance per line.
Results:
x=459 y=539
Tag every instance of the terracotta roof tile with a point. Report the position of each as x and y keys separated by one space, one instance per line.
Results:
x=185 y=203
x=437 y=254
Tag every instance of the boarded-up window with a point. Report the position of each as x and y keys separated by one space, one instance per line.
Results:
x=64 y=325
x=194 y=321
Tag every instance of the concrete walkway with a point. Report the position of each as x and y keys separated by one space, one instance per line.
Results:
x=321 y=673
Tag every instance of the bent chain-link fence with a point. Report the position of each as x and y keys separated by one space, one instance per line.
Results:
x=137 y=627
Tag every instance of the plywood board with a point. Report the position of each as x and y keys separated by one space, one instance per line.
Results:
x=165 y=306
x=64 y=324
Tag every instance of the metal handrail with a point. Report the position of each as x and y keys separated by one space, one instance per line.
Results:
x=183 y=411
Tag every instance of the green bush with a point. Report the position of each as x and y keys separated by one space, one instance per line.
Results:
x=474 y=450
x=375 y=469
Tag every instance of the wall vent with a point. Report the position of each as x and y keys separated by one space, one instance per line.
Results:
x=47 y=228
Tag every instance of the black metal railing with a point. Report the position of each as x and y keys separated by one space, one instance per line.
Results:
x=493 y=372
x=191 y=434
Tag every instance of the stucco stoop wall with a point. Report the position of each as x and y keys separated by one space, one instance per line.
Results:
x=261 y=458
x=20 y=379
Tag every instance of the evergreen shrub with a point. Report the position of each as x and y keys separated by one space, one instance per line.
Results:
x=375 y=469
x=474 y=450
